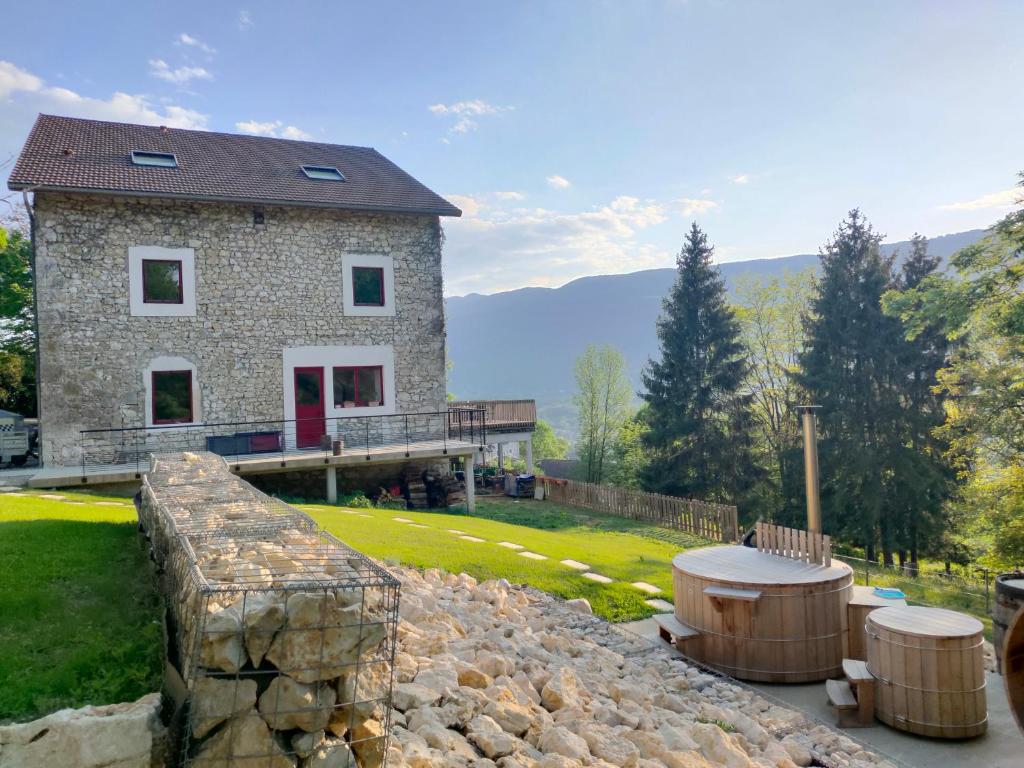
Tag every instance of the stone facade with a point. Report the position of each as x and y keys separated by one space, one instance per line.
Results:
x=260 y=289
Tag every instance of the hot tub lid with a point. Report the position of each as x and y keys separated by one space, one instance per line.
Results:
x=925 y=622
x=745 y=565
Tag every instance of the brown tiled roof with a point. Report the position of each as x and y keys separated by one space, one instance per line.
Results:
x=65 y=153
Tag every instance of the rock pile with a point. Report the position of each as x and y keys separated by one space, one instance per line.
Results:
x=493 y=675
x=285 y=636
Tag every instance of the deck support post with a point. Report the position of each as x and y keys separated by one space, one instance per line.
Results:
x=529 y=456
x=470 y=482
x=332 y=485
x=501 y=458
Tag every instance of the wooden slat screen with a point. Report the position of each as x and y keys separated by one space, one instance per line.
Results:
x=793 y=543
x=717 y=522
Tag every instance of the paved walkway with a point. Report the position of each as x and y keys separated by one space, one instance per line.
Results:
x=1001 y=747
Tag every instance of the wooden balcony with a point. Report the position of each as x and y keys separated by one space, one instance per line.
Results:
x=503 y=416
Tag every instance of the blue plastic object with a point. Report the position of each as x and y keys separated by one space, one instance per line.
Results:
x=889 y=592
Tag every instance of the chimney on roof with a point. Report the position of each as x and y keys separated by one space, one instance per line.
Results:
x=163 y=129
x=67 y=152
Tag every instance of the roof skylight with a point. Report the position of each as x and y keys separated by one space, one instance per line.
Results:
x=154 y=159
x=323 y=172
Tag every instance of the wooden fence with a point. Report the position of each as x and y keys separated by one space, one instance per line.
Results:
x=504 y=415
x=717 y=522
x=794 y=543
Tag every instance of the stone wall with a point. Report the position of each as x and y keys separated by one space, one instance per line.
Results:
x=259 y=289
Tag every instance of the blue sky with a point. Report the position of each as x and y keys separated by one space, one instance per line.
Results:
x=579 y=137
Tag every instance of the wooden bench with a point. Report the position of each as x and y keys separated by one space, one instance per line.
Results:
x=674 y=631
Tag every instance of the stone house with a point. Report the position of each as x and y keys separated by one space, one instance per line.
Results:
x=188 y=278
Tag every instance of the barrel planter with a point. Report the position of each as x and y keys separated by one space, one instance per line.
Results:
x=1009 y=600
x=761 y=616
x=929 y=665
x=1013 y=667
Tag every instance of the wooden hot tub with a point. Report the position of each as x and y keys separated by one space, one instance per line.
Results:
x=761 y=616
x=930 y=671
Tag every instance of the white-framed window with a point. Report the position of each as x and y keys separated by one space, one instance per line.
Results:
x=368 y=285
x=162 y=281
x=172 y=392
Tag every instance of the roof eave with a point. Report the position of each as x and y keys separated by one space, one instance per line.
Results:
x=450 y=211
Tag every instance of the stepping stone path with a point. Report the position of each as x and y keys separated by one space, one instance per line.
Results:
x=576 y=564
x=457 y=533
x=597 y=577
x=474 y=539
x=532 y=555
x=650 y=589
x=15 y=493
x=104 y=503
x=52 y=496
x=361 y=514
x=660 y=605
x=510 y=545
x=401 y=520
x=418 y=525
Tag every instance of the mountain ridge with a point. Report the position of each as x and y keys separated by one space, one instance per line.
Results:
x=523 y=343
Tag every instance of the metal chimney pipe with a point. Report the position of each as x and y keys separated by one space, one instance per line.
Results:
x=807 y=414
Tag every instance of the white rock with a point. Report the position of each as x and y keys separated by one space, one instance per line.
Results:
x=215 y=700
x=288 y=704
x=247 y=741
x=580 y=605
x=560 y=691
x=490 y=738
x=333 y=753
x=562 y=741
x=114 y=736
x=406 y=696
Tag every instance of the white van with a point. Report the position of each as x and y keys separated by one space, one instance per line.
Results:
x=14 y=439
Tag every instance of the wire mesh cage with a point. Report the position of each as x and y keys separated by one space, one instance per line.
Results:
x=285 y=638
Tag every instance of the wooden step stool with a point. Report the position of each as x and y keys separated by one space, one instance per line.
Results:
x=853 y=698
x=675 y=632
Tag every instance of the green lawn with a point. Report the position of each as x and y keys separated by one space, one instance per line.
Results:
x=621 y=549
x=79 y=614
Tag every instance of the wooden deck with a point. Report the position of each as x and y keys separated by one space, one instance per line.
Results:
x=258 y=463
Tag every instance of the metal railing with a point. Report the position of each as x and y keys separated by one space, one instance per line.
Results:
x=285 y=438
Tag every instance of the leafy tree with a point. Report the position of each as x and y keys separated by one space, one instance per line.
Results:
x=17 y=332
x=629 y=454
x=979 y=307
x=698 y=418
x=547 y=444
x=770 y=311
x=602 y=405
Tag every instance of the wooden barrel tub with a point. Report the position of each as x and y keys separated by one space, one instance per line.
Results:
x=930 y=670
x=1009 y=600
x=1013 y=667
x=763 y=617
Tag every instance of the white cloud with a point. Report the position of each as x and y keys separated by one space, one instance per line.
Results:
x=542 y=247
x=186 y=39
x=33 y=96
x=1007 y=198
x=469 y=205
x=465 y=111
x=181 y=76
x=559 y=182
x=244 y=20
x=511 y=195
x=743 y=178
x=14 y=79
x=690 y=206
x=275 y=129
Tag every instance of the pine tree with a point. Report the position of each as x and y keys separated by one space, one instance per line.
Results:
x=699 y=424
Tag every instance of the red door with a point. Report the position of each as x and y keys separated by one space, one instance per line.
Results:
x=309 y=407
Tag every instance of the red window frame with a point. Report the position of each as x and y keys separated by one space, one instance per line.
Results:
x=355 y=378
x=181 y=281
x=366 y=303
x=152 y=399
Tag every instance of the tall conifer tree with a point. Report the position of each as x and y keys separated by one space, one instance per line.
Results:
x=700 y=430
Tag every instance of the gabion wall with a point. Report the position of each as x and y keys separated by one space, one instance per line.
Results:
x=285 y=636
